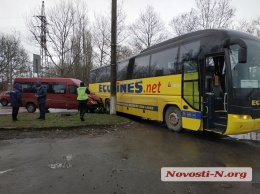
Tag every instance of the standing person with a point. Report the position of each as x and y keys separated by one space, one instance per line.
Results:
x=41 y=99
x=16 y=100
x=82 y=99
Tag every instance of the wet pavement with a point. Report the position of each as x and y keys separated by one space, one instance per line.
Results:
x=127 y=159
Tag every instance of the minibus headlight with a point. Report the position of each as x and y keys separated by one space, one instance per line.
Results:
x=93 y=102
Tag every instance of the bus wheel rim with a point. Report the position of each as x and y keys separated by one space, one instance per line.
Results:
x=174 y=118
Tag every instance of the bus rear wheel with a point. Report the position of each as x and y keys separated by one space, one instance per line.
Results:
x=31 y=108
x=173 y=119
x=107 y=106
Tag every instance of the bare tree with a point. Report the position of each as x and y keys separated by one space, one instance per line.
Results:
x=251 y=27
x=13 y=58
x=208 y=14
x=123 y=52
x=147 y=30
x=67 y=25
x=184 y=23
x=102 y=36
x=101 y=39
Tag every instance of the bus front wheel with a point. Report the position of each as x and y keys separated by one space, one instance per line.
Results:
x=31 y=108
x=173 y=119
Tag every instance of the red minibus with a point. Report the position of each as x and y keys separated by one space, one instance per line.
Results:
x=61 y=93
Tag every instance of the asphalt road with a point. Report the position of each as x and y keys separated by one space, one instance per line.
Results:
x=127 y=159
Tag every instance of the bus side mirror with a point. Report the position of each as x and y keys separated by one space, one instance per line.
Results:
x=242 y=55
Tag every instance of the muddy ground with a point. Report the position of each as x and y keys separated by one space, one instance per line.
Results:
x=90 y=131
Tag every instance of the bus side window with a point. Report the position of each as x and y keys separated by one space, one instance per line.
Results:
x=130 y=68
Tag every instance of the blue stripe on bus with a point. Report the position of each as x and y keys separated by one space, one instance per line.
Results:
x=193 y=115
x=139 y=106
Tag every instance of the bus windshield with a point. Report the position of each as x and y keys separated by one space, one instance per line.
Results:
x=245 y=76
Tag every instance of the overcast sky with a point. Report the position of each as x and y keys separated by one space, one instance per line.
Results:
x=12 y=12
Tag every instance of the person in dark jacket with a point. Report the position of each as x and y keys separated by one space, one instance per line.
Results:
x=16 y=100
x=82 y=100
x=41 y=99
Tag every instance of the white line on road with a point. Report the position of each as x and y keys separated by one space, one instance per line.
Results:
x=2 y=172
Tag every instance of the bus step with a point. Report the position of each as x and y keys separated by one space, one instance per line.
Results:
x=219 y=127
x=220 y=114
x=220 y=118
x=220 y=121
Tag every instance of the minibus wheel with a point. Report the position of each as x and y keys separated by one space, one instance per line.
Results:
x=31 y=108
x=4 y=102
x=173 y=119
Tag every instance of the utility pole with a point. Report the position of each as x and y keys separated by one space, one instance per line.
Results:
x=113 y=58
x=43 y=27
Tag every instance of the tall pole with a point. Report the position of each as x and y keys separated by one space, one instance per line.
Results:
x=43 y=27
x=113 y=58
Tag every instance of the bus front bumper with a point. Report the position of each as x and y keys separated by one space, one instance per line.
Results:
x=239 y=124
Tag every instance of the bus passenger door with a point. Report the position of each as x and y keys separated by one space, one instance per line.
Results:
x=214 y=94
x=191 y=116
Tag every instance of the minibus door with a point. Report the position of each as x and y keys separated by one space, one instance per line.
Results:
x=71 y=96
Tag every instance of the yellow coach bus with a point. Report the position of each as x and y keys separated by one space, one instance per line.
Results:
x=205 y=80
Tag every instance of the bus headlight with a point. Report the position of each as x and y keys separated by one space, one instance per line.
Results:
x=244 y=117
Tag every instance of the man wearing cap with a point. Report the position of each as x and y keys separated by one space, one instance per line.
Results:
x=82 y=99
x=41 y=99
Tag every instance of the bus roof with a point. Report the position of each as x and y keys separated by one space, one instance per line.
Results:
x=221 y=33
x=48 y=79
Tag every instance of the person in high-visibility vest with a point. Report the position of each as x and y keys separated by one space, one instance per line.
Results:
x=83 y=100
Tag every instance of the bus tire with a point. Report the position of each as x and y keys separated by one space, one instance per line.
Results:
x=31 y=108
x=107 y=106
x=173 y=119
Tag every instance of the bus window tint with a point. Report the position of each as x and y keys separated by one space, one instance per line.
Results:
x=142 y=68
x=189 y=66
x=92 y=77
x=188 y=59
x=121 y=70
x=164 y=62
x=103 y=74
x=189 y=51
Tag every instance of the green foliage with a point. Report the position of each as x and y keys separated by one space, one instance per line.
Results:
x=59 y=120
